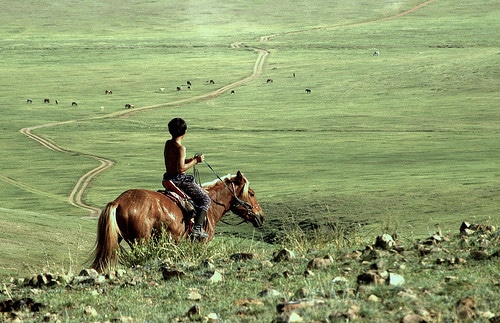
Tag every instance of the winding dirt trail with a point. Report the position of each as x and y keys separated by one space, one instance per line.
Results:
x=76 y=196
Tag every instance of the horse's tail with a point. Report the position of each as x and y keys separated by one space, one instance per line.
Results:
x=107 y=242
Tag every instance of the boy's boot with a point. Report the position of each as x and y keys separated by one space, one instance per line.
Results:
x=199 y=220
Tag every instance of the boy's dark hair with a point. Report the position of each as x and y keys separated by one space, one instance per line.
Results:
x=177 y=127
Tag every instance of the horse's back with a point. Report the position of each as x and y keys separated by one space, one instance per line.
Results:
x=141 y=211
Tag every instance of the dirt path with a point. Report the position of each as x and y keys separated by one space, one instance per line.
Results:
x=76 y=196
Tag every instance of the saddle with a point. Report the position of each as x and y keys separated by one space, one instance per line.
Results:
x=182 y=200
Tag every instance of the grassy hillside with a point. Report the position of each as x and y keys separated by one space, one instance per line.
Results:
x=405 y=141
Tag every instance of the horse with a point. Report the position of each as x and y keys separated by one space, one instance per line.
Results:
x=129 y=106
x=138 y=215
x=108 y=92
x=308 y=91
x=376 y=53
x=74 y=104
x=46 y=100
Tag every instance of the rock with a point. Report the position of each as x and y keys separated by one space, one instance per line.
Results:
x=370 y=277
x=89 y=273
x=340 y=280
x=414 y=318
x=395 y=280
x=384 y=242
x=320 y=263
x=242 y=256
x=294 y=305
x=479 y=255
x=193 y=311
x=269 y=293
x=169 y=273
x=194 y=295
x=283 y=255
x=90 y=311
x=373 y=298
x=465 y=309
x=215 y=276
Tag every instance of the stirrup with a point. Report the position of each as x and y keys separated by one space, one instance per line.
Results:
x=198 y=232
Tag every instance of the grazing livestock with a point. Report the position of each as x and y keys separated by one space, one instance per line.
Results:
x=108 y=92
x=129 y=106
x=162 y=89
x=211 y=82
x=188 y=83
x=179 y=88
x=46 y=101
x=232 y=92
x=308 y=91
x=74 y=104
x=269 y=81
x=29 y=101
x=57 y=102
x=293 y=74
x=376 y=53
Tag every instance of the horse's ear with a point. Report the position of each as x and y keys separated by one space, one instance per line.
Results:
x=239 y=177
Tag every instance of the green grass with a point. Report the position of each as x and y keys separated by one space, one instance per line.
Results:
x=405 y=141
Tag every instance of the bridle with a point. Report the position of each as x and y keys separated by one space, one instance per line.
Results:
x=237 y=203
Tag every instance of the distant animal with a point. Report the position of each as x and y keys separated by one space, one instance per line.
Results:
x=29 y=101
x=211 y=82
x=308 y=91
x=188 y=83
x=162 y=89
x=138 y=215
x=179 y=88
x=46 y=101
x=74 y=104
x=376 y=53
x=129 y=106
x=57 y=101
x=232 y=92
x=108 y=92
x=294 y=74
x=269 y=81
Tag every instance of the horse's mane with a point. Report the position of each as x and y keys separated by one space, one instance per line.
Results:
x=210 y=185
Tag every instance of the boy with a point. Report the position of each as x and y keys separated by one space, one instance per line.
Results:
x=176 y=164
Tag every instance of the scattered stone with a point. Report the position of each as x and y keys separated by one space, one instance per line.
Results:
x=479 y=255
x=248 y=301
x=194 y=295
x=340 y=280
x=283 y=255
x=465 y=309
x=291 y=317
x=212 y=318
x=90 y=311
x=384 y=242
x=351 y=314
x=373 y=298
x=269 y=293
x=320 y=263
x=193 y=311
x=242 y=256
x=215 y=276
x=370 y=277
x=395 y=280
x=414 y=318
x=169 y=273
x=294 y=305
x=89 y=273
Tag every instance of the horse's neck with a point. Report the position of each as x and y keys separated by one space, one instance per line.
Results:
x=221 y=201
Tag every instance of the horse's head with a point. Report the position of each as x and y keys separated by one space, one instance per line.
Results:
x=244 y=202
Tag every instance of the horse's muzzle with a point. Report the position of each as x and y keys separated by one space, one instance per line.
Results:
x=257 y=220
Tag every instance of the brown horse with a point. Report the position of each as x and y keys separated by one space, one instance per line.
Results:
x=137 y=215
